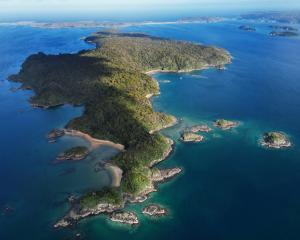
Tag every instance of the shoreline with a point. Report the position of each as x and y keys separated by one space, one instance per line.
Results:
x=94 y=142
x=116 y=174
x=205 y=67
x=152 y=72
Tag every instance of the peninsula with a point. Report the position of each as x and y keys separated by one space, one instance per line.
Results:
x=112 y=84
x=247 y=28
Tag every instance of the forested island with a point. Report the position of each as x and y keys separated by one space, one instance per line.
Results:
x=111 y=83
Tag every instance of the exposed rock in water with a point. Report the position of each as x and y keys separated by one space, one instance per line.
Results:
x=159 y=175
x=73 y=154
x=54 y=134
x=200 y=128
x=275 y=140
x=143 y=196
x=62 y=223
x=225 y=124
x=247 y=28
x=125 y=218
x=166 y=153
x=191 y=137
x=154 y=210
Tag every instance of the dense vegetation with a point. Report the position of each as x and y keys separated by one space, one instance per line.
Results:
x=79 y=150
x=274 y=137
x=110 y=82
x=106 y=195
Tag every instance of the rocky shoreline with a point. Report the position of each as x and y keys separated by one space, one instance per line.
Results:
x=191 y=137
x=200 y=128
x=247 y=28
x=73 y=154
x=129 y=218
x=54 y=134
x=76 y=214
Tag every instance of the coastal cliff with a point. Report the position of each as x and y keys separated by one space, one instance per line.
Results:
x=111 y=82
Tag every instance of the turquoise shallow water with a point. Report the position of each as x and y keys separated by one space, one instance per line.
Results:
x=231 y=188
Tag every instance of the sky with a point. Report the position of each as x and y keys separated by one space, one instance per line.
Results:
x=17 y=7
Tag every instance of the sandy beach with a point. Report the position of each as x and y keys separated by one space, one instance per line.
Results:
x=94 y=142
x=116 y=174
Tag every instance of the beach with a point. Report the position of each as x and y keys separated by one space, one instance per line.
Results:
x=116 y=174
x=94 y=142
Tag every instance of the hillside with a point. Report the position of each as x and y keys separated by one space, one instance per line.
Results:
x=111 y=83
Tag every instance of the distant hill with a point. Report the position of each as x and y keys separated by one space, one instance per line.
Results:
x=291 y=17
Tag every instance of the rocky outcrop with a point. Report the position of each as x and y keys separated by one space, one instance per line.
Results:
x=124 y=217
x=191 y=137
x=73 y=154
x=200 y=128
x=275 y=140
x=160 y=175
x=225 y=124
x=154 y=210
x=54 y=134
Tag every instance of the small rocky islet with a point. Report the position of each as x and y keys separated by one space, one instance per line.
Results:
x=109 y=201
x=129 y=218
x=247 y=28
x=73 y=154
x=191 y=137
x=275 y=140
x=154 y=210
x=225 y=124
x=200 y=128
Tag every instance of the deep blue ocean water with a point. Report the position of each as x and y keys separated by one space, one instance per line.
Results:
x=231 y=188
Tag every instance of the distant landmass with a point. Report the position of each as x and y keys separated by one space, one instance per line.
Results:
x=107 y=24
x=113 y=85
x=291 y=17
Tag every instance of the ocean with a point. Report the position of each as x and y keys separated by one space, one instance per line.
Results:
x=230 y=188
